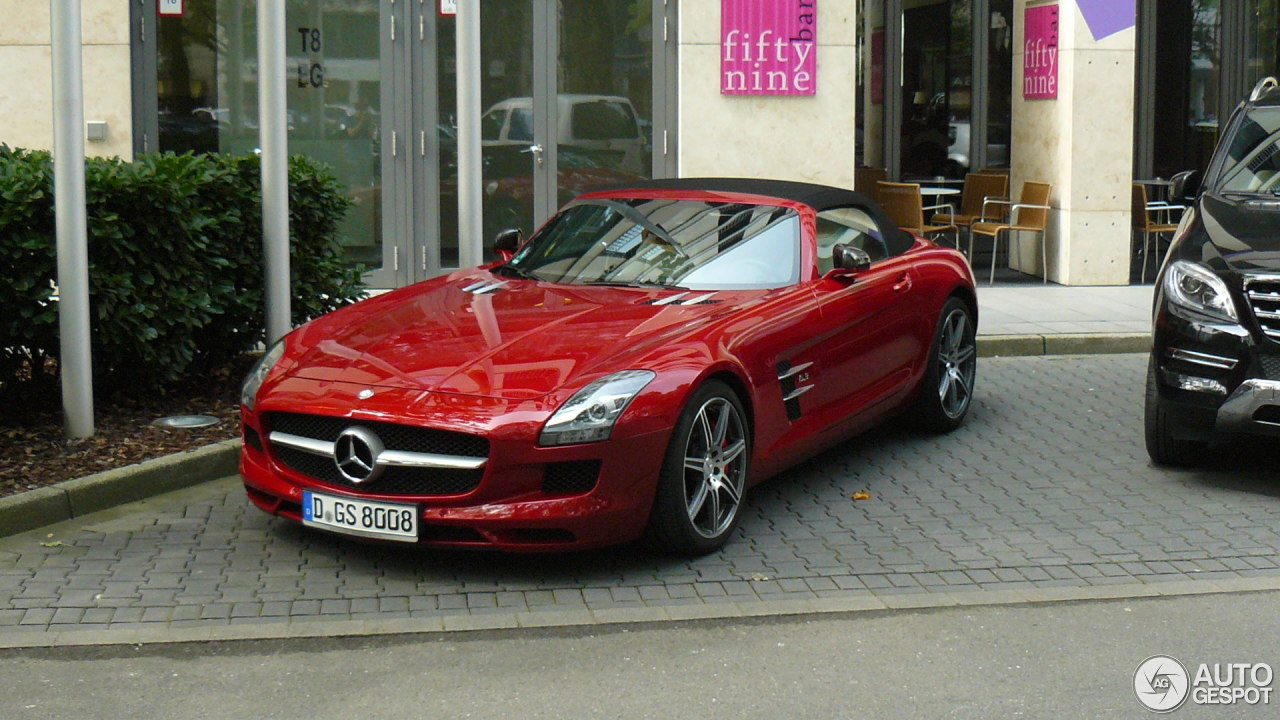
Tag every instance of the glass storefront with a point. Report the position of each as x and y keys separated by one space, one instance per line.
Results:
x=1197 y=60
x=371 y=92
x=950 y=112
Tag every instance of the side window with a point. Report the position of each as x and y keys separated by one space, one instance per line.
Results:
x=491 y=125
x=851 y=226
x=521 y=125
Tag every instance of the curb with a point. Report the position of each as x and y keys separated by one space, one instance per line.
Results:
x=100 y=491
x=162 y=634
x=1063 y=344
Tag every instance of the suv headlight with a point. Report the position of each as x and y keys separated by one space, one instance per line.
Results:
x=1196 y=288
x=249 y=391
x=589 y=415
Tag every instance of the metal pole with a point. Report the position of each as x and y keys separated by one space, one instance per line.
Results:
x=76 y=361
x=273 y=139
x=470 y=197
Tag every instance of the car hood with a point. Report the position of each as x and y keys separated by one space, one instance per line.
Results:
x=474 y=333
x=1244 y=232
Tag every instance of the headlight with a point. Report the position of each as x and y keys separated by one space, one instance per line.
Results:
x=249 y=391
x=1195 y=288
x=589 y=415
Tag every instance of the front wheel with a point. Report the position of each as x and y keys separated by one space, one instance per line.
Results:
x=704 y=475
x=947 y=388
x=1162 y=445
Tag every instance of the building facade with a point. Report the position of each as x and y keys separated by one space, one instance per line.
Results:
x=1084 y=94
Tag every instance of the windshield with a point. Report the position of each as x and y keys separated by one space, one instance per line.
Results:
x=672 y=243
x=1252 y=161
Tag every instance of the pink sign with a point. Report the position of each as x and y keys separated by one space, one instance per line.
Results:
x=768 y=47
x=1040 y=57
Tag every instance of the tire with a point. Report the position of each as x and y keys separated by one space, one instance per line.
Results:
x=1164 y=447
x=704 y=475
x=946 y=391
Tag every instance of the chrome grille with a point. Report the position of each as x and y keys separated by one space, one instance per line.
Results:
x=395 y=480
x=1264 y=301
x=1271 y=366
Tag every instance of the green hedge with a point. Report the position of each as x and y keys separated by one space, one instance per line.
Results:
x=175 y=262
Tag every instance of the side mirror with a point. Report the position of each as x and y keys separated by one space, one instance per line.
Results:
x=1185 y=186
x=508 y=242
x=850 y=258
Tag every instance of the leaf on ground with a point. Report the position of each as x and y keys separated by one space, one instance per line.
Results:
x=861 y=495
x=55 y=543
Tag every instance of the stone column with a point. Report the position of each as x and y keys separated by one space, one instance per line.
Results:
x=806 y=138
x=1081 y=142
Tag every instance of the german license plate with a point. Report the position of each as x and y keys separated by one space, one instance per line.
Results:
x=387 y=521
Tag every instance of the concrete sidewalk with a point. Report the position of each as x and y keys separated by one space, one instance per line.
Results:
x=1061 y=310
x=1036 y=319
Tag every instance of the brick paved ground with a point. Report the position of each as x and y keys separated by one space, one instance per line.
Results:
x=1046 y=486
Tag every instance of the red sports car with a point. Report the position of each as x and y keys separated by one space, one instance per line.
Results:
x=648 y=356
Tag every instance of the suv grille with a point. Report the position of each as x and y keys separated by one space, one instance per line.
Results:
x=1264 y=300
x=1271 y=366
x=394 y=480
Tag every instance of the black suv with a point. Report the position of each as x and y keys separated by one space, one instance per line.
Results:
x=1215 y=360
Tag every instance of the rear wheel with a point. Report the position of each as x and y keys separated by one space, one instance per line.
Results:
x=704 y=474
x=1163 y=446
x=947 y=389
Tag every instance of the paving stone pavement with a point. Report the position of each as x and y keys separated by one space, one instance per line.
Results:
x=1046 y=486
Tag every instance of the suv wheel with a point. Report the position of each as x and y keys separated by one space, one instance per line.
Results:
x=1162 y=445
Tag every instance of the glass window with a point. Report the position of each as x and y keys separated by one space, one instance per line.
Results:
x=491 y=125
x=603 y=120
x=696 y=245
x=849 y=226
x=207 y=95
x=1252 y=163
x=521 y=125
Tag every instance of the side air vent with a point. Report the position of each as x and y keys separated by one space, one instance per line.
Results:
x=684 y=299
x=485 y=287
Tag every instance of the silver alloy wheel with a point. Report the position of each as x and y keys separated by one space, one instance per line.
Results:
x=957 y=363
x=714 y=467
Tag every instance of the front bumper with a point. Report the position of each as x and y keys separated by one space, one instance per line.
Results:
x=1253 y=408
x=513 y=507
x=1215 y=379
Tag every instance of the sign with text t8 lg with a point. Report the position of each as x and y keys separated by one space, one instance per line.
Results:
x=768 y=47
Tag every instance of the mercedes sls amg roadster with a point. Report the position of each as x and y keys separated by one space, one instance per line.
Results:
x=629 y=372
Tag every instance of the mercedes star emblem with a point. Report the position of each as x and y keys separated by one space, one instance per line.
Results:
x=356 y=454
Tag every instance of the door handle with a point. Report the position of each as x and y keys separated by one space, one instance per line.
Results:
x=537 y=153
x=903 y=283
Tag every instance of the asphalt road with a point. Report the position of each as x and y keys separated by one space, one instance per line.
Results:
x=1074 y=660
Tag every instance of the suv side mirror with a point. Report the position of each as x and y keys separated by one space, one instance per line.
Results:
x=1185 y=186
x=508 y=242
x=850 y=258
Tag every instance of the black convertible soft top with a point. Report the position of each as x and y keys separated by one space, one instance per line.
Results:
x=818 y=197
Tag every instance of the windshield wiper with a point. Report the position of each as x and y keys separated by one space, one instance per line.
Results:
x=518 y=272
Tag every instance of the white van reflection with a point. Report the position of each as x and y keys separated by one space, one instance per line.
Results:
x=603 y=125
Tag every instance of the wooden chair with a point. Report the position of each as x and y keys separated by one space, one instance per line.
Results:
x=865 y=179
x=903 y=205
x=1030 y=214
x=1149 y=226
x=978 y=189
